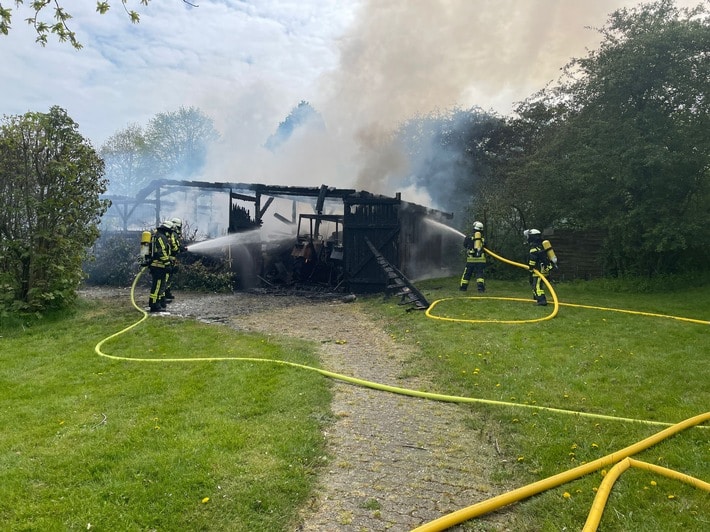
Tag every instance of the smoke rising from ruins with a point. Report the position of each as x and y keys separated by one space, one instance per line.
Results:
x=406 y=58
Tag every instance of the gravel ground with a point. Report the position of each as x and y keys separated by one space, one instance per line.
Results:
x=397 y=462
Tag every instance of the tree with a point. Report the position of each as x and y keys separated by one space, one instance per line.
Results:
x=50 y=182
x=301 y=115
x=125 y=156
x=623 y=143
x=450 y=154
x=177 y=142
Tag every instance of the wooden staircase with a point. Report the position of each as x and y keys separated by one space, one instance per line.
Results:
x=398 y=284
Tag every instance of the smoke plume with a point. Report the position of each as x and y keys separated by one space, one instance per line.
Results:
x=402 y=59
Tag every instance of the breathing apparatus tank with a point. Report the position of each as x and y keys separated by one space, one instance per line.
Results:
x=547 y=246
x=477 y=241
x=145 y=247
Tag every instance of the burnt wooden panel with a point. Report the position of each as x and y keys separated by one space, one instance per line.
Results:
x=427 y=249
x=376 y=218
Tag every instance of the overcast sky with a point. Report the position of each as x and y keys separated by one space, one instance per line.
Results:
x=366 y=65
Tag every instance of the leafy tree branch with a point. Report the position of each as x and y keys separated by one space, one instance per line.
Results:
x=56 y=23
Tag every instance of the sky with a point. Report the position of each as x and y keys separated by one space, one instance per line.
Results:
x=365 y=65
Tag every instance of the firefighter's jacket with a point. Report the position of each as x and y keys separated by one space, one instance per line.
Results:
x=161 y=250
x=473 y=254
x=176 y=243
x=537 y=259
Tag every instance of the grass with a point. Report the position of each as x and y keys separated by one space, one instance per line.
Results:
x=91 y=443
x=583 y=360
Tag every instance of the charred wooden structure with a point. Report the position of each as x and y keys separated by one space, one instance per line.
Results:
x=343 y=258
x=329 y=243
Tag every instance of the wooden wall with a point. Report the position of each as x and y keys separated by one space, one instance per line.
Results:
x=579 y=253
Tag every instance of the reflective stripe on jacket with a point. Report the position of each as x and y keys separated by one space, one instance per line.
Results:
x=161 y=250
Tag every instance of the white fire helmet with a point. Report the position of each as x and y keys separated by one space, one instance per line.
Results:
x=167 y=225
x=477 y=226
x=177 y=224
x=531 y=234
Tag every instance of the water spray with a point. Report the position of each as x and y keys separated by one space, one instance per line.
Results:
x=445 y=227
x=215 y=246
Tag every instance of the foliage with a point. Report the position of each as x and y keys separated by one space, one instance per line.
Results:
x=113 y=260
x=300 y=116
x=621 y=144
x=50 y=182
x=125 y=155
x=449 y=156
x=203 y=274
x=177 y=142
x=172 y=146
x=98 y=444
x=44 y=26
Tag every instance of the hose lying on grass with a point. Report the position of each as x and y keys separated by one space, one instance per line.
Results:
x=447 y=521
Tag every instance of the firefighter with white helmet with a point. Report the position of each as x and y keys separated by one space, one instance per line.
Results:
x=475 y=258
x=542 y=258
x=177 y=235
x=159 y=264
x=176 y=247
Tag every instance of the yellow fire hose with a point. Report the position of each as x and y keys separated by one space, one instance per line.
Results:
x=512 y=496
x=532 y=489
x=495 y=503
x=430 y=311
x=356 y=381
x=602 y=495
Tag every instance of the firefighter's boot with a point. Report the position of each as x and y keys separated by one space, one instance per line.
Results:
x=542 y=300
x=463 y=287
x=481 y=287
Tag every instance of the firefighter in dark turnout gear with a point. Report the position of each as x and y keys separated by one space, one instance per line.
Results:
x=175 y=238
x=540 y=258
x=475 y=259
x=159 y=264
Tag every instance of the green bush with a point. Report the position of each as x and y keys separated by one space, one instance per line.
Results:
x=203 y=275
x=113 y=261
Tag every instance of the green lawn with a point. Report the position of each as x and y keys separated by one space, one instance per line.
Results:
x=93 y=443
x=584 y=360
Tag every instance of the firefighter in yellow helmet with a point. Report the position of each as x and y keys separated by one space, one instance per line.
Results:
x=159 y=265
x=542 y=258
x=475 y=259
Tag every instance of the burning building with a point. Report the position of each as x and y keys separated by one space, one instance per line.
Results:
x=341 y=238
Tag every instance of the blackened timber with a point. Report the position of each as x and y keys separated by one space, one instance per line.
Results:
x=398 y=282
x=392 y=234
x=267 y=190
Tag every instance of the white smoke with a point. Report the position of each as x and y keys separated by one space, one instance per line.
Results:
x=398 y=60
